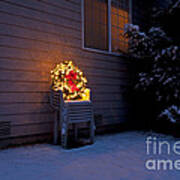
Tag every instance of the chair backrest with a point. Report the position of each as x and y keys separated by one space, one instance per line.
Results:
x=79 y=111
x=56 y=99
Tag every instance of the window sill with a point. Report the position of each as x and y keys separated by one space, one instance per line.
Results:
x=104 y=52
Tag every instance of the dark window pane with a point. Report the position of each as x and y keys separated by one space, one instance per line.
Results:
x=119 y=17
x=96 y=24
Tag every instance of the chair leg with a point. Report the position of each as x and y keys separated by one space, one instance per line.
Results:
x=66 y=138
x=92 y=131
x=56 y=127
x=75 y=132
x=64 y=135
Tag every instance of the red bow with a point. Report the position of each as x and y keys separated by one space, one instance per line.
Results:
x=71 y=77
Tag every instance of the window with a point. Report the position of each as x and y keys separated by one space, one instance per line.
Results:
x=103 y=24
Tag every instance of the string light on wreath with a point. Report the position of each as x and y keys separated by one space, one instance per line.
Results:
x=70 y=80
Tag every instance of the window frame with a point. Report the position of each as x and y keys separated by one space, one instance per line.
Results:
x=109 y=51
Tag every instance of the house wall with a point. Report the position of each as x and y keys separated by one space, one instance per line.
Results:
x=34 y=36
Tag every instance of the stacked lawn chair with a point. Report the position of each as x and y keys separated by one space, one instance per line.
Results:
x=71 y=112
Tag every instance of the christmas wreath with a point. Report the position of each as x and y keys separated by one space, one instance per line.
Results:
x=70 y=80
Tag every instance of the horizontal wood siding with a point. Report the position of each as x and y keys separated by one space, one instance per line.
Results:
x=34 y=36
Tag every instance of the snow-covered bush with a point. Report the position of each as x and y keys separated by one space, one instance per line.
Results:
x=172 y=114
x=146 y=44
x=163 y=77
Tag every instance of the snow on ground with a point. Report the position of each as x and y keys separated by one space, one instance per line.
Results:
x=113 y=157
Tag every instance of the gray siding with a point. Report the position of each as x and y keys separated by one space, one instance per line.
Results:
x=34 y=36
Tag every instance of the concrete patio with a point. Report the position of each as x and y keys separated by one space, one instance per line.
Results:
x=113 y=157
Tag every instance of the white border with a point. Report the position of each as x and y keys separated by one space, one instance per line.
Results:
x=109 y=51
x=109 y=27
